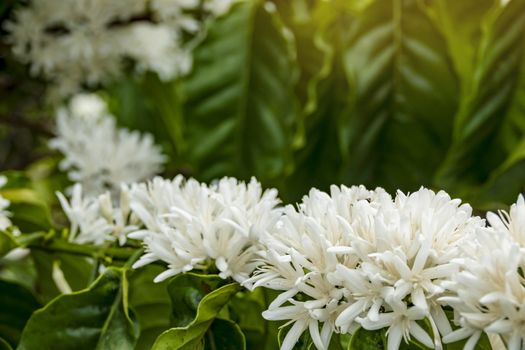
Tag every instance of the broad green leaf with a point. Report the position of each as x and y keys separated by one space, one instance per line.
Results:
x=405 y=96
x=29 y=212
x=78 y=272
x=209 y=302
x=246 y=310
x=4 y=345
x=326 y=100
x=151 y=303
x=186 y=292
x=508 y=179
x=475 y=151
x=16 y=306
x=225 y=335
x=367 y=340
x=240 y=110
x=303 y=343
x=10 y=240
x=460 y=22
x=7 y=243
x=95 y=318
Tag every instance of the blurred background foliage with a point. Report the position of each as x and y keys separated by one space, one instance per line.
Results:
x=308 y=93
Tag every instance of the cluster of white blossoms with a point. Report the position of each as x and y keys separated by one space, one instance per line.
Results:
x=4 y=204
x=488 y=295
x=358 y=258
x=99 y=155
x=352 y=258
x=99 y=219
x=88 y=42
x=190 y=225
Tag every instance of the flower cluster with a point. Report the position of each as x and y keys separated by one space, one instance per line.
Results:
x=359 y=258
x=78 y=42
x=99 y=155
x=190 y=225
x=4 y=204
x=99 y=219
x=488 y=295
x=352 y=258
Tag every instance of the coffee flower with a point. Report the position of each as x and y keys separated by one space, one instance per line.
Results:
x=488 y=294
x=190 y=225
x=4 y=204
x=100 y=219
x=408 y=252
x=97 y=153
x=303 y=252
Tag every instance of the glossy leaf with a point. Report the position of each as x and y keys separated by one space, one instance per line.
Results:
x=196 y=292
x=78 y=272
x=225 y=335
x=246 y=310
x=239 y=110
x=151 y=303
x=16 y=306
x=95 y=318
x=4 y=345
x=474 y=151
x=367 y=340
x=405 y=91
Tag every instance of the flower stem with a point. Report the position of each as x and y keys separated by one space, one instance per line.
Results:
x=61 y=246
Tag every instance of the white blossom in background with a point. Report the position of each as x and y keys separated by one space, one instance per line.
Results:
x=99 y=155
x=156 y=47
x=75 y=43
x=488 y=294
x=218 y=7
x=190 y=225
x=299 y=258
x=4 y=204
x=97 y=219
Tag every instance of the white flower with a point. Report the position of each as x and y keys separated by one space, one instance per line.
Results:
x=218 y=7
x=4 y=204
x=190 y=225
x=97 y=220
x=407 y=252
x=99 y=155
x=301 y=255
x=177 y=13
x=157 y=48
x=488 y=294
x=72 y=40
x=75 y=43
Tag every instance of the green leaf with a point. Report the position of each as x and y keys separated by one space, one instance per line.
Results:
x=225 y=335
x=367 y=340
x=4 y=345
x=16 y=306
x=240 y=110
x=405 y=98
x=95 y=318
x=77 y=270
x=151 y=303
x=303 y=343
x=7 y=243
x=326 y=100
x=475 y=150
x=460 y=22
x=246 y=309
x=10 y=241
x=187 y=292
x=30 y=212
